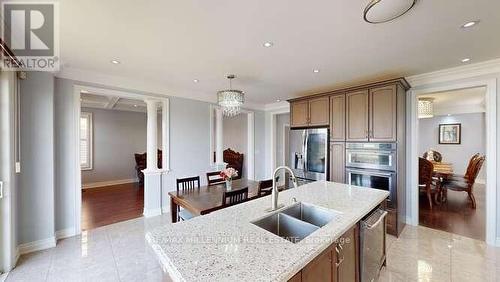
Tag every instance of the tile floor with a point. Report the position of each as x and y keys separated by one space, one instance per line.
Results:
x=119 y=252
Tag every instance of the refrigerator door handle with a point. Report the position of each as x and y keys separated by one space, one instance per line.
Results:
x=306 y=141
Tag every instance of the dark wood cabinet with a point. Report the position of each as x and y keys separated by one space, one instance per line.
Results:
x=337 y=118
x=357 y=115
x=320 y=269
x=310 y=113
x=296 y=278
x=383 y=114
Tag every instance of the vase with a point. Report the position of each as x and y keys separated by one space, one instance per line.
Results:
x=229 y=183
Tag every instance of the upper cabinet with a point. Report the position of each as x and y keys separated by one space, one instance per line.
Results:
x=311 y=112
x=383 y=113
x=337 y=117
x=371 y=114
x=357 y=115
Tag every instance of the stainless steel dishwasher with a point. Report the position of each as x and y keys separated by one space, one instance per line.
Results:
x=372 y=245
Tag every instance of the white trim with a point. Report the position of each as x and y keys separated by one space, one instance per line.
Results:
x=272 y=135
x=152 y=212
x=64 y=233
x=108 y=183
x=250 y=145
x=165 y=209
x=447 y=80
x=481 y=181
x=37 y=245
x=77 y=90
x=90 y=117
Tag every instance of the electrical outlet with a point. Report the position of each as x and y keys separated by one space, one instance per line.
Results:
x=1 y=189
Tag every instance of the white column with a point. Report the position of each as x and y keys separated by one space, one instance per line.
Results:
x=165 y=136
x=152 y=175
x=219 y=140
x=152 y=134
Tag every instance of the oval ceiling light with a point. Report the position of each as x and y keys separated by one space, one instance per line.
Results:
x=115 y=62
x=382 y=11
x=470 y=24
x=268 y=44
x=465 y=60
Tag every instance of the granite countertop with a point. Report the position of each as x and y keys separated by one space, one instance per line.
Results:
x=226 y=246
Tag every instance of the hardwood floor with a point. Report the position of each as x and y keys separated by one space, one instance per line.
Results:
x=456 y=215
x=106 y=205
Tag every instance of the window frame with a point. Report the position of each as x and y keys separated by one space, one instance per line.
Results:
x=90 y=164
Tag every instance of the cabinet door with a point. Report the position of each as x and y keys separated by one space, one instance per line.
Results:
x=319 y=111
x=337 y=117
x=383 y=112
x=296 y=278
x=299 y=113
x=320 y=269
x=357 y=116
x=347 y=261
x=337 y=162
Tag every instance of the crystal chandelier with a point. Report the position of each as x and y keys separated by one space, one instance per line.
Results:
x=425 y=108
x=230 y=100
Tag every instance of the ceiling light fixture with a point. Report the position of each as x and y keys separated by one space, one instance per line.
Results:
x=382 y=11
x=316 y=70
x=425 y=108
x=465 y=60
x=268 y=44
x=116 y=62
x=470 y=24
x=231 y=100
x=135 y=106
x=196 y=80
x=278 y=100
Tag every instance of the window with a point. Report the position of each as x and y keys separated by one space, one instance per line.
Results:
x=86 y=141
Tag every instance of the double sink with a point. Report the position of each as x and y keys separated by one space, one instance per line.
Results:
x=297 y=221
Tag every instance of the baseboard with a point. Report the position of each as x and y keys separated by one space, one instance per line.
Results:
x=65 y=233
x=37 y=245
x=109 y=183
x=3 y=276
x=18 y=254
x=165 y=210
x=152 y=212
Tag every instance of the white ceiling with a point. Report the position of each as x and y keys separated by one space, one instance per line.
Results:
x=470 y=100
x=170 y=43
x=89 y=100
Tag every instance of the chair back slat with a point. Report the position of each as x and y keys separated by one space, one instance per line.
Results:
x=470 y=165
x=263 y=188
x=213 y=178
x=230 y=198
x=477 y=165
x=425 y=169
x=188 y=184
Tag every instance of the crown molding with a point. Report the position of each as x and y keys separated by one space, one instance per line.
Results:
x=278 y=107
x=139 y=86
x=462 y=72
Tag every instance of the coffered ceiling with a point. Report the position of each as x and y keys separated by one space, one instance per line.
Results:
x=169 y=44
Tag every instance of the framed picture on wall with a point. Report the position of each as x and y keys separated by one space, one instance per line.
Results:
x=450 y=133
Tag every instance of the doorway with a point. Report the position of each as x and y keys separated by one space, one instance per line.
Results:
x=452 y=140
x=434 y=83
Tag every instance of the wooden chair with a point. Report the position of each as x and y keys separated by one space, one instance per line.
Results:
x=186 y=185
x=467 y=183
x=470 y=167
x=234 y=160
x=425 y=180
x=213 y=178
x=265 y=187
x=235 y=197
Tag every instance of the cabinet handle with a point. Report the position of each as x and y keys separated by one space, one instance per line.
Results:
x=339 y=253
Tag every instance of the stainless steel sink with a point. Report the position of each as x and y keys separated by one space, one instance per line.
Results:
x=310 y=213
x=296 y=222
x=286 y=227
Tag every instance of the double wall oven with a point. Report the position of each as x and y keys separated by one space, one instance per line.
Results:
x=373 y=165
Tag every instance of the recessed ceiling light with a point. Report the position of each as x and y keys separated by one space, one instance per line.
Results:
x=116 y=62
x=316 y=70
x=465 y=60
x=470 y=24
x=268 y=44
x=135 y=106
x=278 y=100
x=196 y=80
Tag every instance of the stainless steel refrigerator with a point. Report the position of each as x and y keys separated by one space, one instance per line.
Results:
x=308 y=154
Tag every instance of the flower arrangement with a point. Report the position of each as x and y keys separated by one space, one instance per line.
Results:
x=228 y=173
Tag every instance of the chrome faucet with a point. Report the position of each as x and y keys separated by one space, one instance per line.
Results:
x=275 y=193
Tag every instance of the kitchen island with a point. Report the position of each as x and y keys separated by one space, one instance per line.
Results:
x=226 y=246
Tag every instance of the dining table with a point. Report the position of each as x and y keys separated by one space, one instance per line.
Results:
x=442 y=171
x=206 y=199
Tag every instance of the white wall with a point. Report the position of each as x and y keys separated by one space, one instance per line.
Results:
x=235 y=136
x=36 y=183
x=473 y=139
x=281 y=120
x=117 y=136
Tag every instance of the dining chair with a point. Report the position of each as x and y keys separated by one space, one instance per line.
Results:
x=468 y=171
x=425 y=180
x=213 y=178
x=235 y=197
x=467 y=183
x=265 y=188
x=186 y=185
